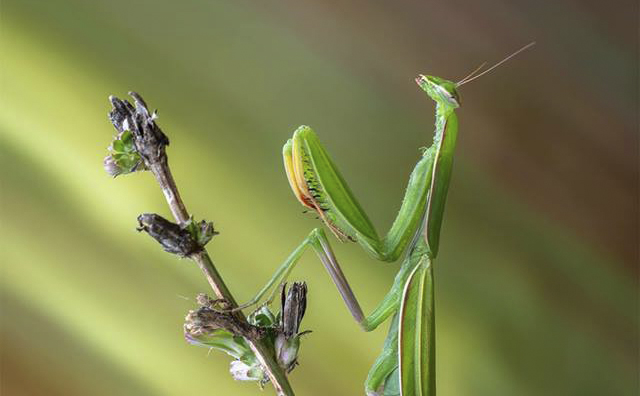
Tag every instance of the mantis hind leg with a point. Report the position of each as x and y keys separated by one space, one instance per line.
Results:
x=391 y=300
x=383 y=378
x=318 y=241
x=281 y=275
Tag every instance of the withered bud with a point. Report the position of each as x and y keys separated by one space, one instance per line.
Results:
x=148 y=138
x=216 y=304
x=287 y=341
x=204 y=301
x=173 y=238
x=205 y=320
x=294 y=304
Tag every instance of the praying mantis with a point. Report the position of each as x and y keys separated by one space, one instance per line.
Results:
x=406 y=365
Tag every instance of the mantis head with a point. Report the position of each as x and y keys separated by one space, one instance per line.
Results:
x=441 y=90
x=445 y=92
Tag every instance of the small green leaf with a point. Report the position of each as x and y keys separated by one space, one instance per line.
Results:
x=117 y=145
x=221 y=340
x=262 y=317
x=127 y=139
x=202 y=231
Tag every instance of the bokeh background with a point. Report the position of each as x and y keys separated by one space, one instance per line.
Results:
x=538 y=272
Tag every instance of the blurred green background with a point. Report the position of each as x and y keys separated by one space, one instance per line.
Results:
x=537 y=278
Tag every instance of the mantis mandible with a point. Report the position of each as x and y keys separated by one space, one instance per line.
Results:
x=406 y=365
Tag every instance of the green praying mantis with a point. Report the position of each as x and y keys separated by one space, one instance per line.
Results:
x=406 y=365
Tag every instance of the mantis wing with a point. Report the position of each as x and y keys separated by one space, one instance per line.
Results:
x=416 y=327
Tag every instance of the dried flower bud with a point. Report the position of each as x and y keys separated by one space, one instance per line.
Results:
x=225 y=332
x=121 y=114
x=287 y=342
x=294 y=304
x=222 y=330
x=207 y=319
x=140 y=143
x=173 y=238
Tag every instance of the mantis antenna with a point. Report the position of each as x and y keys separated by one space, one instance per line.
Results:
x=471 y=76
x=483 y=64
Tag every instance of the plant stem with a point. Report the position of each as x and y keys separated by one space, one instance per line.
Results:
x=263 y=352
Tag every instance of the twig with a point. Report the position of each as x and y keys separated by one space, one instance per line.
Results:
x=150 y=144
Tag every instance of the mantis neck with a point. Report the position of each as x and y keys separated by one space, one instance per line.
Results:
x=444 y=142
x=443 y=111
